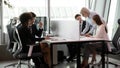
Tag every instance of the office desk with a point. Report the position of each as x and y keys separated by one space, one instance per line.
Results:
x=57 y=40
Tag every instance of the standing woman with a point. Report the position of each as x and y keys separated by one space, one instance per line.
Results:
x=101 y=32
x=89 y=16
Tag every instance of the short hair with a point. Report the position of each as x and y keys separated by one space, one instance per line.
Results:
x=84 y=9
x=77 y=15
x=25 y=17
x=33 y=14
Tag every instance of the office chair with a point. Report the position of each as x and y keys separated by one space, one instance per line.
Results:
x=17 y=48
x=11 y=42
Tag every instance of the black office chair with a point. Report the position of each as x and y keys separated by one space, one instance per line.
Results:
x=17 y=48
x=11 y=42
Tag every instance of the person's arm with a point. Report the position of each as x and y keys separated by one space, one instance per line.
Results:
x=38 y=31
x=85 y=30
x=93 y=26
x=92 y=29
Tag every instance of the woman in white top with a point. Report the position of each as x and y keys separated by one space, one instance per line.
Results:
x=101 y=32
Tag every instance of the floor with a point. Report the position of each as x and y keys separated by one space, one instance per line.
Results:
x=64 y=64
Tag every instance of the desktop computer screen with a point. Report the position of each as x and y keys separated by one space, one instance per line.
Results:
x=43 y=20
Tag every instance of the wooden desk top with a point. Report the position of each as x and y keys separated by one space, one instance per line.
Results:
x=59 y=40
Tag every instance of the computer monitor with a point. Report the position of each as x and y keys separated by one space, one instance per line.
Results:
x=43 y=20
x=68 y=29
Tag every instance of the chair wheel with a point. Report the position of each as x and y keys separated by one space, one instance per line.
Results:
x=92 y=66
x=88 y=66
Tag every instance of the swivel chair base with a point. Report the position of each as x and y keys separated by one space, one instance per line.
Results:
x=18 y=65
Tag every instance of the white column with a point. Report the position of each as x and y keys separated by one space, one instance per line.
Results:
x=1 y=16
x=48 y=19
x=100 y=5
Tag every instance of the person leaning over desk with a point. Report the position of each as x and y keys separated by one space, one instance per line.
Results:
x=27 y=37
x=89 y=15
x=101 y=32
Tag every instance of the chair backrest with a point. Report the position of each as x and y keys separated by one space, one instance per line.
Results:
x=12 y=43
x=116 y=38
x=15 y=44
x=18 y=40
x=18 y=53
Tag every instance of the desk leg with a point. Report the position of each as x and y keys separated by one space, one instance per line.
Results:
x=51 y=55
x=103 y=55
x=78 y=56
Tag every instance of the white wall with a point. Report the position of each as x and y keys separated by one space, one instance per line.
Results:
x=106 y=12
x=111 y=18
x=100 y=7
x=0 y=21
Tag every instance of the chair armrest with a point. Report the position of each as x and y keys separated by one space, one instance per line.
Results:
x=30 y=50
x=31 y=45
x=14 y=47
x=109 y=41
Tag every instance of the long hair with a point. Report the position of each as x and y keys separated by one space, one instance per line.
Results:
x=98 y=21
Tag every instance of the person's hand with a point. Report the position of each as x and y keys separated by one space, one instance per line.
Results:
x=47 y=37
x=40 y=24
x=87 y=35
x=82 y=34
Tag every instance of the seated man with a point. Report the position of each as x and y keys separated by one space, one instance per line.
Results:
x=84 y=29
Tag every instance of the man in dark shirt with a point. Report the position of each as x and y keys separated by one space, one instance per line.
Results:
x=84 y=25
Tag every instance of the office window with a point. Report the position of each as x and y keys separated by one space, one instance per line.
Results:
x=13 y=8
x=65 y=8
x=39 y=7
x=58 y=9
x=111 y=19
